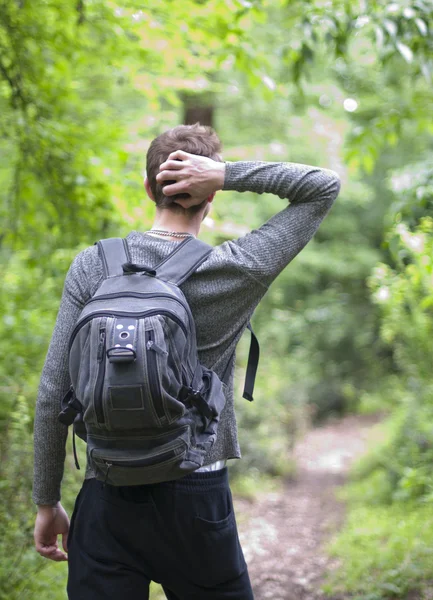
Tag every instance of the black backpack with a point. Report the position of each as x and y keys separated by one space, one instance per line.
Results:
x=147 y=408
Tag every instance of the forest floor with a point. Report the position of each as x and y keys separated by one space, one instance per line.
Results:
x=284 y=533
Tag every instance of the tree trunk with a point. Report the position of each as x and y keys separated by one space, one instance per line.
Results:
x=196 y=112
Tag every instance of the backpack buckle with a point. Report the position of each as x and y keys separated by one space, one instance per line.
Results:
x=121 y=354
x=196 y=398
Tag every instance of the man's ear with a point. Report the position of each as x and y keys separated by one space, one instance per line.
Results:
x=148 y=189
x=208 y=206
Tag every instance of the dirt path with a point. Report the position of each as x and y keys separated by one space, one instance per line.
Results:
x=283 y=533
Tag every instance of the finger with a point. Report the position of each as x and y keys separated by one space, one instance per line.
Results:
x=52 y=553
x=58 y=556
x=178 y=155
x=172 y=164
x=175 y=188
x=168 y=176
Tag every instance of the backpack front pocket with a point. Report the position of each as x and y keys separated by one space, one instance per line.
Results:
x=136 y=391
x=135 y=467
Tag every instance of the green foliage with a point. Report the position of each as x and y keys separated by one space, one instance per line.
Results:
x=401 y=469
x=391 y=554
x=24 y=575
x=25 y=326
x=16 y=524
x=395 y=30
x=29 y=296
x=414 y=189
x=406 y=297
x=50 y=130
x=383 y=552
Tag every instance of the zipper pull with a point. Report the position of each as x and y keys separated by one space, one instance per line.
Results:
x=101 y=343
x=152 y=346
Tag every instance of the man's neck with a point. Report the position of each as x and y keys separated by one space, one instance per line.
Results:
x=165 y=220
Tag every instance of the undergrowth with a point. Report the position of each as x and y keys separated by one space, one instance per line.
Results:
x=385 y=550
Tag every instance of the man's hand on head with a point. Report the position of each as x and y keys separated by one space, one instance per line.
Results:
x=197 y=176
x=51 y=521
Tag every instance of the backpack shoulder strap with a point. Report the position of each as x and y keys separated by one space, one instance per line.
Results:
x=183 y=261
x=114 y=253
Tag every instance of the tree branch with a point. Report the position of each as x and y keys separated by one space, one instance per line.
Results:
x=81 y=12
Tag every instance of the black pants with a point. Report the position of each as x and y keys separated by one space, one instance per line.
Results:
x=181 y=534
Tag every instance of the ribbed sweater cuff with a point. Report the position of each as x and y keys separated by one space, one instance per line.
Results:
x=233 y=170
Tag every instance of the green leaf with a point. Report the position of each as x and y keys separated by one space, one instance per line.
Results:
x=390 y=587
x=380 y=37
x=422 y=26
x=391 y=27
x=405 y=51
x=425 y=69
x=409 y=12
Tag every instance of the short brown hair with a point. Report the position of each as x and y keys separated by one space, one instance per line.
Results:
x=195 y=139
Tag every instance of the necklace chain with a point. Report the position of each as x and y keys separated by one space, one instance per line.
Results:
x=175 y=234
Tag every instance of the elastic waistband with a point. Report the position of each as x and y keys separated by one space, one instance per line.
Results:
x=199 y=481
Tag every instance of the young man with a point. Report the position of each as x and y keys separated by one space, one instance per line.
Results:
x=180 y=533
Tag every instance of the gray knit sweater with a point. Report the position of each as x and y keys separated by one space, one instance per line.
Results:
x=222 y=294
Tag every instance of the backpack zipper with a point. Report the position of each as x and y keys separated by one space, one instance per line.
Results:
x=137 y=295
x=99 y=409
x=101 y=343
x=152 y=371
x=134 y=295
x=149 y=461
x=142 y=295
x=119 y=313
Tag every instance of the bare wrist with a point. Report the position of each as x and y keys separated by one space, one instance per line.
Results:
x=220 y=175
x=47 y=507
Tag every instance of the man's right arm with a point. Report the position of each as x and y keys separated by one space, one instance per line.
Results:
x=49 y=434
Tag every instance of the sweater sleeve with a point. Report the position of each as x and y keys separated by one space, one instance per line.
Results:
x=49 y=434
x=264 y=252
